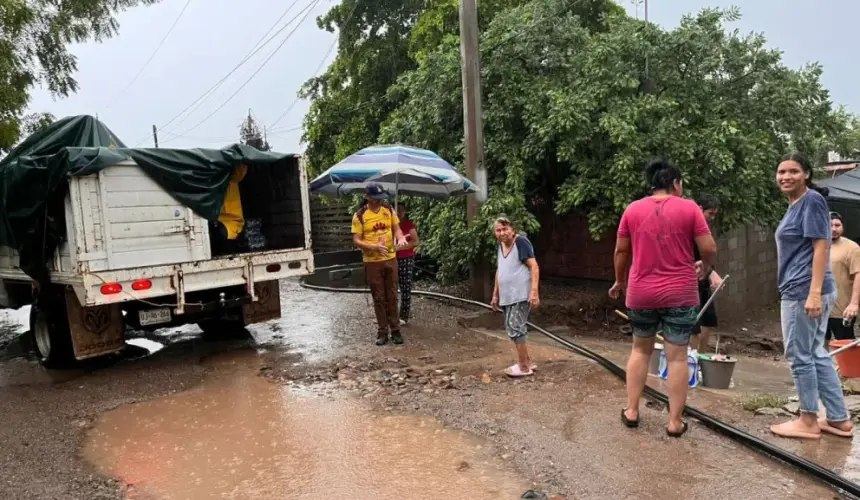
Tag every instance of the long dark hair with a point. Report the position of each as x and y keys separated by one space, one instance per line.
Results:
x=660 y=174
x=807 y=168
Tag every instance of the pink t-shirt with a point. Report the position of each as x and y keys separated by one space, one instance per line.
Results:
x=662 y=232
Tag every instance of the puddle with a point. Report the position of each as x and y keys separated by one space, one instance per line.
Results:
x=151 y=346
x=240 y=436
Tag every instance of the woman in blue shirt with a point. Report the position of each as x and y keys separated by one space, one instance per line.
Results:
x=807 y=292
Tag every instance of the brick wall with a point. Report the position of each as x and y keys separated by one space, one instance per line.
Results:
x=565 y=250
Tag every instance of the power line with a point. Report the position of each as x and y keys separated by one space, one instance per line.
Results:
x=308 y=10
x=151 y=57
x=297 y=99
x=258 y=47
x=511 y=36
x=319 y=66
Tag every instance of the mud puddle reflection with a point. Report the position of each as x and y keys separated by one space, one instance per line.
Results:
x=240 y=436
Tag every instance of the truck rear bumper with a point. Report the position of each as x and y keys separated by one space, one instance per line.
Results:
x=195 y=310
x=142 y=284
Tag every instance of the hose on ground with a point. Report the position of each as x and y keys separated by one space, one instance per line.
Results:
x=828 y=477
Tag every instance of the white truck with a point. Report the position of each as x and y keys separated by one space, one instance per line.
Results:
x=134 y=255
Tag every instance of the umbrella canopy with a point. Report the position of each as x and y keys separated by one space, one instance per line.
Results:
x=399 y=169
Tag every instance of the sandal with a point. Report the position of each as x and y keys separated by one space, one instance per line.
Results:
x=673 y=434
x=630 y=424
x=514 y=371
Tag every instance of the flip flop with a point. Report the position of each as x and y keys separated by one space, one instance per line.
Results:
x=533 y=367
x=630 y=424
x=826 y=427
x=514 y=371
x=678 y=434
x=787 y=432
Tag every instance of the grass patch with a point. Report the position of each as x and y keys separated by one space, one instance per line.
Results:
x=764 y=401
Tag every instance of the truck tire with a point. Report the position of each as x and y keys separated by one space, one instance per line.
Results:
x=51 y=334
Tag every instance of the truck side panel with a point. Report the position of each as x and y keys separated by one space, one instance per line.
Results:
x=131 y=222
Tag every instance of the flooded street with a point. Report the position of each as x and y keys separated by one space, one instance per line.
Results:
x=240 y=436
x=309 y=408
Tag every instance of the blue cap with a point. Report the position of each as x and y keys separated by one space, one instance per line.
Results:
x=375 y=191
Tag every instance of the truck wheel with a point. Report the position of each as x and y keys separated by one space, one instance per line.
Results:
x=223 y=329
x=51 y=335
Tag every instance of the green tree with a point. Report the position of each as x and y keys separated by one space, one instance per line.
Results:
x=36 y=122
x=573 y=107
x=252 y=135
x=34 y=40
x=349 y=100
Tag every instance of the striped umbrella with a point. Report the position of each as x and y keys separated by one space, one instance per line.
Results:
x=399 y=169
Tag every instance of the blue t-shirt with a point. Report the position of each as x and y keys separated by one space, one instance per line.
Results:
x=808 y=219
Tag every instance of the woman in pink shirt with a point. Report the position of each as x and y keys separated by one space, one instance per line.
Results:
x=661 y=290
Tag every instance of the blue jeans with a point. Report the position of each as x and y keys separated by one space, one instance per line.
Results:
x=811 y=366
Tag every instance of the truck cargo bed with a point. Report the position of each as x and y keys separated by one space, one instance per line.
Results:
x=122 y=228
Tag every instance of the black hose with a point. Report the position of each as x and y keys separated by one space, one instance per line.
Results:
x=830 y=478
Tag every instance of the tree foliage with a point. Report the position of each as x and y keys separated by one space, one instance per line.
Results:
x=349 y=101
x=34 y=40
x=36 y=122
x=577 y=95
x=252 y=135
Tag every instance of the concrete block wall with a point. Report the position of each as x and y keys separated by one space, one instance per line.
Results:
x=748 y=255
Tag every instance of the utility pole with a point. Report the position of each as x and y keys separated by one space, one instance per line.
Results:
x=474 y=133
x=155 y=134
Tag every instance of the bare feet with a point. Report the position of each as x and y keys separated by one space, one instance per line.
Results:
x=841 y=429
x=797 y=428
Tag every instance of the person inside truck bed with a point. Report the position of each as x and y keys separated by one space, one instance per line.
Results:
x=231 y=222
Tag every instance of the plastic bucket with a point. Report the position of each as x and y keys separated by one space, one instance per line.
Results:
x=654 y=365
x=848 y=361
x=717 y=374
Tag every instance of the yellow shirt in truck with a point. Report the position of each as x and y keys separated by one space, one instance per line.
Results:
x=378 y=227
x=231 y=212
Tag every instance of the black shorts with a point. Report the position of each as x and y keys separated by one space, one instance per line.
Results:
x=709 y=317
x=838 y=330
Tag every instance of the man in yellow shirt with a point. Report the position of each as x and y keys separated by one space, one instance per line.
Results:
x=376 y=232
x=845 y=265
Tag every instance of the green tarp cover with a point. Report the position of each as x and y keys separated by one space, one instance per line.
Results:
x=34 y=174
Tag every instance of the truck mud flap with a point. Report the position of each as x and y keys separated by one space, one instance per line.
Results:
x=267 y=306
x=96 y=331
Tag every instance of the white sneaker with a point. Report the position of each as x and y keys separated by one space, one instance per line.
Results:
x=402 y=322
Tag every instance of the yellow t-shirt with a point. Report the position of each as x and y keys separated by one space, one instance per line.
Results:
x=378 y=228
x=231 y=212
x=845 y=264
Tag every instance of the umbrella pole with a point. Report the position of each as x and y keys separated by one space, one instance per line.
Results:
x=396 y=188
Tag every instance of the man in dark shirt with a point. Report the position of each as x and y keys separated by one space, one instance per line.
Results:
x=709 y=280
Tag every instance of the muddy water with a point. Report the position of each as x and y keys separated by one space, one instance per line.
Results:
x=240 y=436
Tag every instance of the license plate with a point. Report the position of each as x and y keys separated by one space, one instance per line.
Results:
x=154 y=317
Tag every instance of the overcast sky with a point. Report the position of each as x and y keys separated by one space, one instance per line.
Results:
x=213 y=36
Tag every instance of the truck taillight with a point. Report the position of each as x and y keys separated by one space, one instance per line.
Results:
x=111 y=288
x=142 y=284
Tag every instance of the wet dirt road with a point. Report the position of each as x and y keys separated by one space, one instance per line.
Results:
x=334 y=416
x=241 y=436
